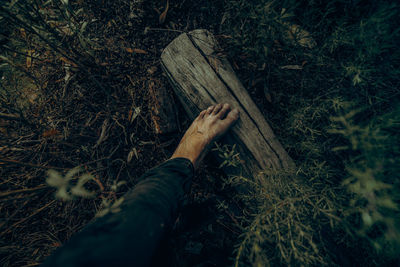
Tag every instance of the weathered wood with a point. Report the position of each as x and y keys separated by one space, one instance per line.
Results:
x=163 y=110
x=200 y=78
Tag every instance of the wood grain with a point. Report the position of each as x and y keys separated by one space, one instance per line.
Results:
x=201 y=78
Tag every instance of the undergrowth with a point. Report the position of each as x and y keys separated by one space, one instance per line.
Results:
x=286 y=226
x=73 y=93
x=334 y=104
x=324 y=73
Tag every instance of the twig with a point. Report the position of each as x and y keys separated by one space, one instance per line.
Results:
x=30 y=164
x=93 y=161
x=96 y=180
x=5 y=194
x=26 y=218
x=233 y=218
x=225 y=226
x=29 y=56
x=167 y=30
x=9 y=116
x=31 y=264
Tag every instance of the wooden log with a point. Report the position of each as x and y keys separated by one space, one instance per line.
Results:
x=201 y=78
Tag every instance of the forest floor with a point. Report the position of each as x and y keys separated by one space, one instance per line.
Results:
x=76 y=92
x=67 y=130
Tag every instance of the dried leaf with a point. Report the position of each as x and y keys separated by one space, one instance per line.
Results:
x=291 y=67
x=56 y=244
x=67 y=61
x=268 y=97
x=133 y=113
x=152 y=70
x=139 y=51
x=135 y=50
x=300 y=36
x=29 y=58
x=104 y=132
x=51 y=132
x=164 y=14
x=23 y=33
x=132 y=153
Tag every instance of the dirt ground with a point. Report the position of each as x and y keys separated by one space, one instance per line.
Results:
x=87 y=122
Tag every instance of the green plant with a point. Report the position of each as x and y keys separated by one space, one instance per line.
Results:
x=334 y=106
x=373 y=176
x=65 y=189
x=228 y=154
x=286 y=216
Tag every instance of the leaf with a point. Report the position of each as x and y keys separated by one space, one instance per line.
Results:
x=164 y=14
x=117 y=203
x=291 y=67
x=303 y=37
x=115 y=185
x=71 y=173
x=132 y=153
x=13 y=2
x=63 y=194
x=29 y=58
x=83 y=27
x=367 y=219
x=62 y=184
x=299 y=36
x=387 y=203
x=55 y=179
x=23 y=33
x=135 y=50
x=67 y=61
x=102 y=212
x=108 y=207
x=82 y=192
x=51 y=132
x=139 y=51
x=133 y=113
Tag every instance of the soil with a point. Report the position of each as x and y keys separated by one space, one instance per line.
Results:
x=64 y=129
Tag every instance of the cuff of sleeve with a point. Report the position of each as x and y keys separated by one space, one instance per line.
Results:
x=184 y=161
x=187 y=166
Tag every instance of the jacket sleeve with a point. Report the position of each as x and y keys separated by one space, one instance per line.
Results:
x=131 y=236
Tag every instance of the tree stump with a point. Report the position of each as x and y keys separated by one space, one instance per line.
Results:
x=201 y=78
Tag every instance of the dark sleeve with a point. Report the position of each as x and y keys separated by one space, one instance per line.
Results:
x=131 y=236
